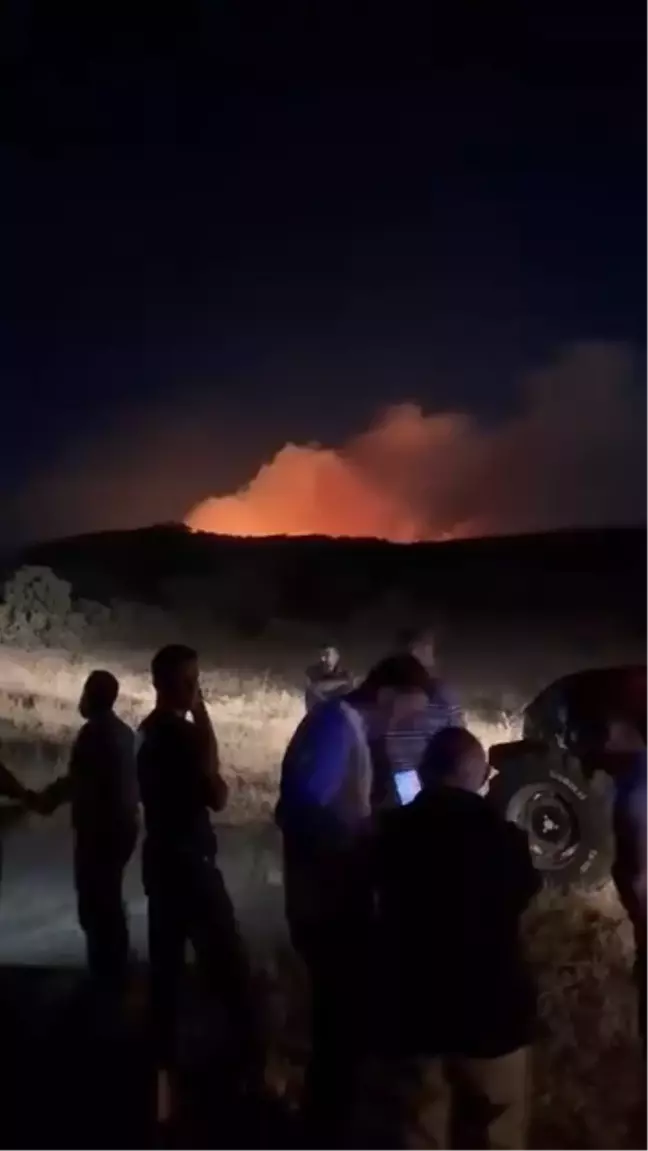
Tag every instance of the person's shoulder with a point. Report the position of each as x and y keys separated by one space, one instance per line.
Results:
x=166 y=726
x=327 y=721
x=461 y=814
x=119 y=730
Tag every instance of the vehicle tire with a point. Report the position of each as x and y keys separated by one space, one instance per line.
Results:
x=567 y=816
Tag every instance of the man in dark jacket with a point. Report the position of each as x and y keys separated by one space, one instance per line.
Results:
x=101 y=788
x=325 y=813
x=180 y=783
x=453 y=879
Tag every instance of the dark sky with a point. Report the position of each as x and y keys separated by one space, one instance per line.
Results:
x=234 y=226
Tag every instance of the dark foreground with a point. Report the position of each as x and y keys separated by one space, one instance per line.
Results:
x=77 y=1077
x=74 y=1077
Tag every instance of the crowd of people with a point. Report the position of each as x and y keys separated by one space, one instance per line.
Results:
x=404 y=889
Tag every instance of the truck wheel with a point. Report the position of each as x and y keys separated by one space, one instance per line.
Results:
x=568 y=817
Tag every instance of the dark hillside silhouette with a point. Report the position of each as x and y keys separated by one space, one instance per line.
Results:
x=315 y=578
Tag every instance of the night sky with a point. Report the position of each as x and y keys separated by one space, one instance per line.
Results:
x=237 y=226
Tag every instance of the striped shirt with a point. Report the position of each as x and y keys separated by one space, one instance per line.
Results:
x=406 y=741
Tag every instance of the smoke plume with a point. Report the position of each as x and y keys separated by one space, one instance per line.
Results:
x=572 y=454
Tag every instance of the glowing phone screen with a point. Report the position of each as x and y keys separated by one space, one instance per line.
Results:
x=408 y=785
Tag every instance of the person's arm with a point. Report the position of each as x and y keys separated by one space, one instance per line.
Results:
x=11 y=788
x=54 y=795
x=60 y=790
x=217 y=790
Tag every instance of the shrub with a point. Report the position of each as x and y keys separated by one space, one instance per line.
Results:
x=38 y=611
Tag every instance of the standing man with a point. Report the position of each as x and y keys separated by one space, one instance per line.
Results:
x=180 y=782
x=325 y=813
x=625 y=761
x=326 y=679
x=399 y=750
x=453 y=879
x=101 y=787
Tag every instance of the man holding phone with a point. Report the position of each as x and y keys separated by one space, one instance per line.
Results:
x=180 y=782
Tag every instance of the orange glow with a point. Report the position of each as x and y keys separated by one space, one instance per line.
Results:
x=365 y=489
x=563 y=456
x=306 y=491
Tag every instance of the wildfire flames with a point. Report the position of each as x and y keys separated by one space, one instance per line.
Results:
x=363 y=490
x=570 y=452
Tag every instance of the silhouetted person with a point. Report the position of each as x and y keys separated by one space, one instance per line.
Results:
x=625 y=761
x=101 y=787
x=325 y=813
x=180 y=781
x=326 y=679
x=456 y=1005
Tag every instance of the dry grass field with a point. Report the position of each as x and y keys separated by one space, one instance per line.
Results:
x=588 y=1078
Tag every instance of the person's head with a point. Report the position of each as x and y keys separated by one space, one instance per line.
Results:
x=455 y=757
x=329 y=657
x=419 y=642
x=397 y=686
x=174 y=670
x=99 y=694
